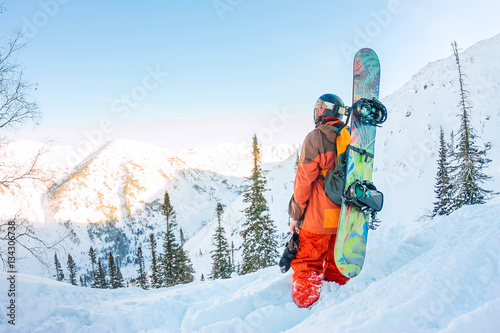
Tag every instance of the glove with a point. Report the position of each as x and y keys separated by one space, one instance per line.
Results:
x=289 y=254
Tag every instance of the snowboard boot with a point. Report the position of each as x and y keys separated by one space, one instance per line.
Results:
x=332 y=274
x=306 y=290
x=330 y=271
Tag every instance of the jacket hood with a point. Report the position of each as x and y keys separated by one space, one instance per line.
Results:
x=330 y=132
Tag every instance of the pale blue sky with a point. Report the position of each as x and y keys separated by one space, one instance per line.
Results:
x=234 y=66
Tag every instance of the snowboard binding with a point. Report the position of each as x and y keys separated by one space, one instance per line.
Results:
x=365 y=196
x=370 y=111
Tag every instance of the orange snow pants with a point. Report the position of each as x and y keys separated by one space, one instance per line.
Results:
x=313 y=263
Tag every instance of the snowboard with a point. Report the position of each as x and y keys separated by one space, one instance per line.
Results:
x=352 y=234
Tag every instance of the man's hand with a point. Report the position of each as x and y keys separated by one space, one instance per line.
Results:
x=293 y=226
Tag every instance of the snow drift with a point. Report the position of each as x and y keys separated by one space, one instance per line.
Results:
x=441 y=277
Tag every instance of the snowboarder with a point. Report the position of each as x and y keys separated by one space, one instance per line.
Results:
x=314 y=215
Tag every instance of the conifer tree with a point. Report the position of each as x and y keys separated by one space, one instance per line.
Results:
x=170 y=267
x=259 y=232
x=185 y=273
x=183 y=240
x=111 y=271
x=155 y=268
x=101 y=276
x=233 y=266
x=469 y=159
x=451 y=145
x=115 y=278
x=72 y=270
x=176 y=265
x=141 y=279
x=221 y=256
x=118 y=277
x=443 y=186
x=93 y=262
x=59 y=271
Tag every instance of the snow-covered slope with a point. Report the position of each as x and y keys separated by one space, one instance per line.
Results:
x=442 y=277
x=407 y=144
x=119 y=188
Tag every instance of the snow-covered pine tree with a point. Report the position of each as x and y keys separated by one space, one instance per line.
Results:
x=94 y=263
x=59 y=272
x=71 y=270
x=233 y=264
x=155 y=267
x=141 y=279
x=259 y=232
x=185 y=273
x=221 y=256
x=169 y=262
x=101 y=276
x=118 y=277
x=185 y=267
x=469 y=159
x=83 y=281
x=181 y=234
x=451 y=145
x=113 y=277
x=443 y=186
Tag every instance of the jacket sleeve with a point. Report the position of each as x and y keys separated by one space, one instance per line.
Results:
x=308 y=171
x=294 y=210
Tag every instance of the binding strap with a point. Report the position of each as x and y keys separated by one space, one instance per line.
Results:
x=361 y=151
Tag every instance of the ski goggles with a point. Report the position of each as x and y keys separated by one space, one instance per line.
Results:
x=320 y=105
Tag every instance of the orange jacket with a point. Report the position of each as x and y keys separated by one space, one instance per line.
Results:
x=309 y=202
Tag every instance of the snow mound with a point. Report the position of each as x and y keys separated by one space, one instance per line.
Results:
x=442 y=276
